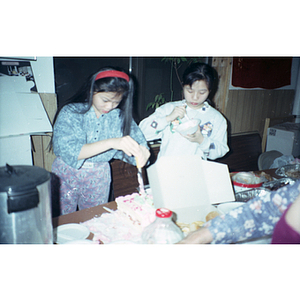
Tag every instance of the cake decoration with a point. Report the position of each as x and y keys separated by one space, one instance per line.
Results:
x=134 y=212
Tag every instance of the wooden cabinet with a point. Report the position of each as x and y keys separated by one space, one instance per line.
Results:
x=41 y=156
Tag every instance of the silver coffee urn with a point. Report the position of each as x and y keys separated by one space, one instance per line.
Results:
x=25 y=205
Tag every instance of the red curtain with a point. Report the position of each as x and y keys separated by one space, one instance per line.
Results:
x=267 y=73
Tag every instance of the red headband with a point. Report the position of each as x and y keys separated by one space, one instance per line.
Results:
x=112 y=73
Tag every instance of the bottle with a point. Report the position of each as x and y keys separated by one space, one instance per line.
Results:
x=163 y=230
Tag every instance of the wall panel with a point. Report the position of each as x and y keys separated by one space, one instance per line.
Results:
x=247 y=109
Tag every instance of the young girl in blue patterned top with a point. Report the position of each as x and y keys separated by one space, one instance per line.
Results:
x=95 y=127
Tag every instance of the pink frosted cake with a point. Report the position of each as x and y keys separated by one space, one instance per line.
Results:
x=134 y=212
x=138 y=208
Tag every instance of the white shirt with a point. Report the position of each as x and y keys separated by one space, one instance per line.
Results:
x=213 y=127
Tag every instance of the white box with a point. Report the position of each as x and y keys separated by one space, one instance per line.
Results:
x=189 y=186
x=284 y=138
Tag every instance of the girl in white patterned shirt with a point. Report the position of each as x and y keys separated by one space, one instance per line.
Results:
x=210 y=140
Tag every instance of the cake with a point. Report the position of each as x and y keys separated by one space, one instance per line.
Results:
x=134 y=212
x=138 y=208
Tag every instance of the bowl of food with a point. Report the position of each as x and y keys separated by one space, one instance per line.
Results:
x=243 y=181
x=188 y=127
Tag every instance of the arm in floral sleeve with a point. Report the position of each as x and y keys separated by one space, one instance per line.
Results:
x=254 y=219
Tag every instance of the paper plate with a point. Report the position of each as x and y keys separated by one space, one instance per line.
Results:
x=70 y=232
x=81 y=242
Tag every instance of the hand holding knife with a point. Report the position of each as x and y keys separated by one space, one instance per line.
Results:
x=140 y=177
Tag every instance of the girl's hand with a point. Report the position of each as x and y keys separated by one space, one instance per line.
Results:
x=143 y=157
x=130 y=147
x=200 y=236
x=178 y=112
x=127 y=144
x=196 y=137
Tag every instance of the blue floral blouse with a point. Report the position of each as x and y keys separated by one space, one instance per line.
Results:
x=73 y=129
x=255 y=219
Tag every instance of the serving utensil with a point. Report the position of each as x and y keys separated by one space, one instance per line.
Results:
x=186 y=112
x=140 y=177
x=108 y=209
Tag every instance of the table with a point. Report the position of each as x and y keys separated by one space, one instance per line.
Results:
x=83 y=215
x=89 y=213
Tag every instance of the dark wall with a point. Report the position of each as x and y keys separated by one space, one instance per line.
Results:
x=152 y=77
x=72 y=72
x=156 y=79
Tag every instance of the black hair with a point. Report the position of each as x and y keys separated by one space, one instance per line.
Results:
x=199 y=71
x=108 y=84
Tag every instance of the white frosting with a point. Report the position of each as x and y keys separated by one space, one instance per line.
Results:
x=134 y=212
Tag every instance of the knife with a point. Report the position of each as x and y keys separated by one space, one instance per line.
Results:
x=140 y=177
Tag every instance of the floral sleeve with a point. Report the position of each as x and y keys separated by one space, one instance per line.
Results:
x=256 y=218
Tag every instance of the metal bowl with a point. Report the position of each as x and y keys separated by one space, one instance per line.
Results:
x=276 y=184
x=250 y=194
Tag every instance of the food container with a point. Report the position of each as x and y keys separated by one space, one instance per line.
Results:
x=290 y=171
x=187 y=186
x=188 y=127
x=250 y=194
x=243 y=181
x=276 y=184
x=193 y=214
